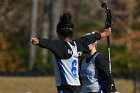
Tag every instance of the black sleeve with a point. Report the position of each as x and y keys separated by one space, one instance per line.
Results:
x=102 y=66
x=84 y=41
x=106 y=77
x=58 y=47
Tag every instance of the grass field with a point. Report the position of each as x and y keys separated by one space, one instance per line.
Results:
x=27 y=85
x=46 y=85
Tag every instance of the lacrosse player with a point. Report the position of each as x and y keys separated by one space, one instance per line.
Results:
x=66 y=52
x=94 y=72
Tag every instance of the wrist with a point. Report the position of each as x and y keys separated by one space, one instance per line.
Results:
x=103 y=35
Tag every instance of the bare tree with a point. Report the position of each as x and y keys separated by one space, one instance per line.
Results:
x=55 y=10
x=33 y=29
x=54 y=14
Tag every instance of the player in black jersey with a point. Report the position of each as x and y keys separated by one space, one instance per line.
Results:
x=66 y=52
x=94 y=72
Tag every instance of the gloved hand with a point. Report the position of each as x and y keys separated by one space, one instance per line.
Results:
x=113 y=88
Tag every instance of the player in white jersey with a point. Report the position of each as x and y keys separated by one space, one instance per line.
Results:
x=66 y=52
x=94 y=73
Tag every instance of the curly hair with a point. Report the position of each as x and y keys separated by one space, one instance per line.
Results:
x=65 y=25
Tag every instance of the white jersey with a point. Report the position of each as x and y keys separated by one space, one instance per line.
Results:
x=66 y=70
x=89 y=76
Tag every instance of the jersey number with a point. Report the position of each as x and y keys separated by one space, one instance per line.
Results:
x=74 y=68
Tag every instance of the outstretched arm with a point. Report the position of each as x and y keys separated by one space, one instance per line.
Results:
x=35 y=41
x=58 y=47
x=89 y=38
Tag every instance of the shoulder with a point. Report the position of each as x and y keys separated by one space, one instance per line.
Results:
x=100 y=56
x=82 y=58
x=62 y=43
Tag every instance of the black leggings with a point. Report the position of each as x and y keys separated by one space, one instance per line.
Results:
x=69 y=89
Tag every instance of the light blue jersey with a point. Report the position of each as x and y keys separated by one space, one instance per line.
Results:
x=89 y=76
x=66 y=70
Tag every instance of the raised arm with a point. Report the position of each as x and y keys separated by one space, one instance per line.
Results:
x=106 y=32
x=92 y=37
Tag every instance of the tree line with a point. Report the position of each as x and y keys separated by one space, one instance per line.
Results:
x=22 y=19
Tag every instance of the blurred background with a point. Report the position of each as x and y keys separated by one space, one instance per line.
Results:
x=27 y=69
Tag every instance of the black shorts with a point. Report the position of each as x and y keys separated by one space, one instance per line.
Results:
x=68 y=89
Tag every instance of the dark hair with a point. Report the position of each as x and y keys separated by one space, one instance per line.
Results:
x=65 y=25
x=87 y=51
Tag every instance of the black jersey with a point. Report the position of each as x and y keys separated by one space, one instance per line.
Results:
x=102 y=65
x=61 y=48
x=66 y=55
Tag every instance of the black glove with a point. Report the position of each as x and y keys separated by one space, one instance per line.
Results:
x=113 y=88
